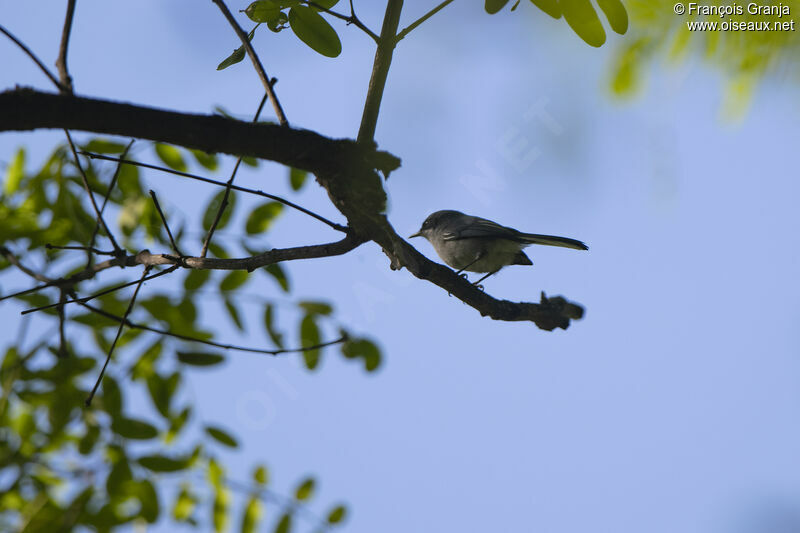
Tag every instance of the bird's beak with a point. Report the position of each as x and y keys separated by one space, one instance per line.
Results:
x=417 y=234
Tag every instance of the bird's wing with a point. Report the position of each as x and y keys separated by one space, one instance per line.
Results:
x=480 y=227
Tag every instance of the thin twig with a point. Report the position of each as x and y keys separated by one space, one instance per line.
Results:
x=422 y=19
x=380 y=70
x=134 y=325
x=96 y=251
x=62 y=336
x=265 y=80
x=164 y=221
x=85 y=299
x=224 y=203
x=14 y=260
x=116 y=338
x=89 y=192
x=34 y=58
x=334 y=225
x=351 y=19
x=61 y=63
x=107 y=196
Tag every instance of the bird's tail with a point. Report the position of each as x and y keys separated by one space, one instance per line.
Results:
x=552 y=240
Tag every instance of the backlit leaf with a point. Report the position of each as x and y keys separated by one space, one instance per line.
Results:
x=315 y=31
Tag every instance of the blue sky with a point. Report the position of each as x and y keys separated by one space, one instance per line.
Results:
x=673 y=406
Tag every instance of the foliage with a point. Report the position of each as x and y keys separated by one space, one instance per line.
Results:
x=744 y=57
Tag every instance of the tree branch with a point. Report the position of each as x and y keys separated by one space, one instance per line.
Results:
x=61 y=63
x=380 y=71
x=422 y=19
x=265 y=80
x=27 y=109
x=35 y=59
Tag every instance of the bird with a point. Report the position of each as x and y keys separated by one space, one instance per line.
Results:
x=475 y=244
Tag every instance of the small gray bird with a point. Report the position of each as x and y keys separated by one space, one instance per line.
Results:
x=475 y=244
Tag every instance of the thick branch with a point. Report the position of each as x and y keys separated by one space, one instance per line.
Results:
x=26 y=109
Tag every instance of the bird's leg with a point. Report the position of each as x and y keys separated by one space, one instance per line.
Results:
x=484 y=277
x=477 y=258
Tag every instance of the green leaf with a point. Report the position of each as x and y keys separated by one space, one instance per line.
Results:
x=493 y=6
x=276 y=271
x=364 y=349
x=316 y=308
x=112 y=397
x=237 y=54
x=305 y=490
x=221 y=509
x=327 y=4
x=161 y=463
x=233 y=312
x=200 y=358
x=549 y=6
x=213 y=207
x=315 y=31
x=616 y=15
x=170 y=156
x=15 y=172
x=148 y=499
x=206 y=160
x=262 y=217
x=104 y=146
x=233 y=280
x=184 y=505
x=195 y=279
x=216 y=474
x=261 y=475
x=130 y=428
x=337 y=514
x=222 y=436
x=269 y=318
x=284 y=524
x=583 y=20
x=309 y=336
x=162 y=390
x=252 y=515
x=263 y=11
x=297 y=178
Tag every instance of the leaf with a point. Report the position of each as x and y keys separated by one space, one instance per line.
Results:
x=206 y=160
x=200 y=358
x=261 y=218
x=549 y=6
x=220 y=510
x=170 y=156
x=305 y=490
x=195 y=279
x=364 y=349
x=161 y=391
x=221 y=436
x=261 y=475
x=184 y=505
x=216 y=474
x=337 y=514
x=315 y=31
x=309 y=336
x=130 y=428
x=252 y=515
x=276 y=271
x=285 y=524
x=161 y=463
x=269 y=318
x=15 y=172
x=316 y=308
x=237 y=54
x=213 y=207
x=263 y=11
x=583 y=20
x=233 y=312
x=112 y=397
x=297 y=178
x=148 y=499
x=616 y=15
x=234 y=280
x=104 y=146
x=493 y=6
